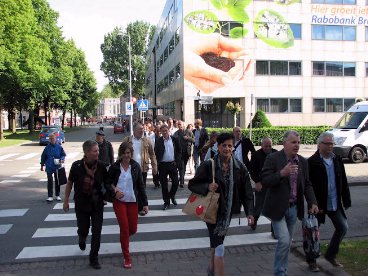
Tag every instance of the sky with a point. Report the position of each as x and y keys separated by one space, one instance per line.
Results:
x=87 y=21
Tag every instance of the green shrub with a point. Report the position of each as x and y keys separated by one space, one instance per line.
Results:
x=260 y=120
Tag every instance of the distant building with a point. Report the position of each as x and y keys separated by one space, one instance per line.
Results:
x=108 y=109
x=305 y=62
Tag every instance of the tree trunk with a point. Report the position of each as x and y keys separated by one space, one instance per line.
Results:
x=31 y=121
x=1 y=125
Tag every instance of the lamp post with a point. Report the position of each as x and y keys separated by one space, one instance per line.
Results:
x=130 y=84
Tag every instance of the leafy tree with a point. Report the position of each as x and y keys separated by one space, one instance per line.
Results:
x=115 y=52
x=260 y=120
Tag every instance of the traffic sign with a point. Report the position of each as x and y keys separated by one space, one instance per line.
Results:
x=129 y=108
x=143 y=105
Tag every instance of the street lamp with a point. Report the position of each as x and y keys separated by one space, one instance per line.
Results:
x=130 y=84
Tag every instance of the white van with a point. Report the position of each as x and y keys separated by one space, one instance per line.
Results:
x=351 y=133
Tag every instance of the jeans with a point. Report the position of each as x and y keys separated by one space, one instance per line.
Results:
x=284 y=230
x=196 y=157
x=50 y=184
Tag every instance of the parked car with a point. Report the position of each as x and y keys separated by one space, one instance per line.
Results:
x=47 y=130
x=118 y=128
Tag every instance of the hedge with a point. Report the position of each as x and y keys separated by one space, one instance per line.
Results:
x=308 y=135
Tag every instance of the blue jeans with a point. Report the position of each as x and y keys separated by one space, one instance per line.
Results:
x=284 y=230
x=196 y=157
x=341 y=227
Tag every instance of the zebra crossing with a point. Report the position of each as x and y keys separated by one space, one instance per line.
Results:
x=6 y=213
x=157 y=231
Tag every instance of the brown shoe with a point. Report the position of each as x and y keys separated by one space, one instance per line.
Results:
x=334 y=262
x=313 y=267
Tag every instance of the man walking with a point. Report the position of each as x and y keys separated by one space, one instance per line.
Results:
x=286 y=178
x=106 y=151
x=200 y=139
x=87 y=176
x=168 y=153
x=328 y=177
x=142 y=153
x=255 y=168
x=242 y=146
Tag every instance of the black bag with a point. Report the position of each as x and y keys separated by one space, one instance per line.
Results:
x=61 y=176
x=107 y=195
x=311 y=244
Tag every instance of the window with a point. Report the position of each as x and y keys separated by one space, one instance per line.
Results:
x=278 y=67
x=177 y=36
x=366 y=69
x=177 y=71
x=171 y=45
x=279 y=105
x=332 y=104
x=333 y=32
x=166 y=53
x=345 y=2
x=333 y=68
x=227 y=26
x=172 y=76
x=297 y=30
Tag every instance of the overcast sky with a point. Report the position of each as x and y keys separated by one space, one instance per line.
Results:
x=87 y=21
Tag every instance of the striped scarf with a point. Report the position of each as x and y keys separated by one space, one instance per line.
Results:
x=89 y=178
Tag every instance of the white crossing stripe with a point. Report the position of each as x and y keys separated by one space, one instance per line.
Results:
x=72 y=155
x=142 y=246
x=12 y=213
x=142 y=228
x=3 y=157
x=27 y=171
x=4 y=228
x=28 y=156
x=11 y=181
x=21 y=175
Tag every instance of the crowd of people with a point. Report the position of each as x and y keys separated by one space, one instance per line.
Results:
x=283 y=181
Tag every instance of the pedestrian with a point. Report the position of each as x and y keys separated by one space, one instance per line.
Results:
x=88 y=175
x=171 y=126
x=106 y=151
x=168 y=153
x=143 y=153
x=242 y=146
x=330 y=185
x=255 y=168
x=285 y=176
x=211 y=145
x=232 y=181
x=52 y=157
x=200 y=139
x=125 y=182
x=190 y=142
x=153 y=138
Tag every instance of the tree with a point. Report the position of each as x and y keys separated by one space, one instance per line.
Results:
x=234 y=109
x=115 y=52
x=260 y=120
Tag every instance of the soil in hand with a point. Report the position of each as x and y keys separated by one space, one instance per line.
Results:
x=222 y=63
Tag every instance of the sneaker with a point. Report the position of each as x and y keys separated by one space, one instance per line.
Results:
x=82 y=244
x=58 y=198
x=95 y=264
x=313 y=267
x=49 y=199
x=334 y=262
x=127 y=264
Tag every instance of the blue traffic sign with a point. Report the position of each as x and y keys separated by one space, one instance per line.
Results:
x=143 y=105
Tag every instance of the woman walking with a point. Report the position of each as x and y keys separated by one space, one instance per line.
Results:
x=125 y=182
x=232 y=181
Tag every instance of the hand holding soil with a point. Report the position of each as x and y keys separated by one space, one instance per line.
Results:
x=213 y=61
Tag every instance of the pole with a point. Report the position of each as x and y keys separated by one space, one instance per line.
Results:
x=130 y=84
x=251 y=114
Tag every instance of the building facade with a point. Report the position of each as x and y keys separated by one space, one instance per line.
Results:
x=303 y=63
x=108 y=108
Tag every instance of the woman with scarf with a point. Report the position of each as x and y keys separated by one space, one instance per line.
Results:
x=125 y=183
x=232 y=181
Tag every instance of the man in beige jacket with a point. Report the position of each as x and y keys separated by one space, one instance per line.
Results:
x=143 y=153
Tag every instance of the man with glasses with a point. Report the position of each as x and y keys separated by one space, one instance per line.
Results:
x=328 y=177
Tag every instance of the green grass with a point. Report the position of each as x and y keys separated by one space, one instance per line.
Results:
x=354 y=256
x=22 y=136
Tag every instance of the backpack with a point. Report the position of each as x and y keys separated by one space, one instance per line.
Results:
x=311 y=244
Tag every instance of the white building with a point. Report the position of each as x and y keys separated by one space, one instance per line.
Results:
x=305 y=62
x=108 y=108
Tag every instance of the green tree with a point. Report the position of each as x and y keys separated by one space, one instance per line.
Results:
x=260 y=120
x=115 y=52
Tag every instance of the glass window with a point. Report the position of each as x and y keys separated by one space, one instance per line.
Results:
x=295 y=68
x=177 y=36
x=295 y=105
x=263 y=104
x=349 y=68
x=318 y=32
x=333 y=32
x=345 y=2
x=278 y=67
x=177 y=71
x=166 y=81
x=366 y=69
x=261 y=67
x=297 y=30
x=318 y=105
x=166 y=53
x=348 y=103
x=279 y=105
x=349 y=33
x=318 y=68
x=172 y=76
x=334 y=105
x=171 y=45
x=334 y=68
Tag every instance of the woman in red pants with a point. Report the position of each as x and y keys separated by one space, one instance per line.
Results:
x=125 y=182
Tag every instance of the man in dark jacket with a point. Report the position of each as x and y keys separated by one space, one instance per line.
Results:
x=242 y=146
x=200 y=139
x=286 y=178
x=255 y=168
x=168 y=155
x=328 y=177
x=106 y=154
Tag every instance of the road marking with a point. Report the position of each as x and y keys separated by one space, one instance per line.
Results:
x=72 y=155
x=11 y=181
x=12 y=213
x=4 y=228
x=28 y=156
x=21 y=175
x=142 y=246
x=27 y=171
x=142 y=228
x=3 y=157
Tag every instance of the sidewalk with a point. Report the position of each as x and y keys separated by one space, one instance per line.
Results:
x=244 y=260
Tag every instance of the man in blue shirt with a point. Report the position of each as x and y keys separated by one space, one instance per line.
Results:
x=328 y=177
